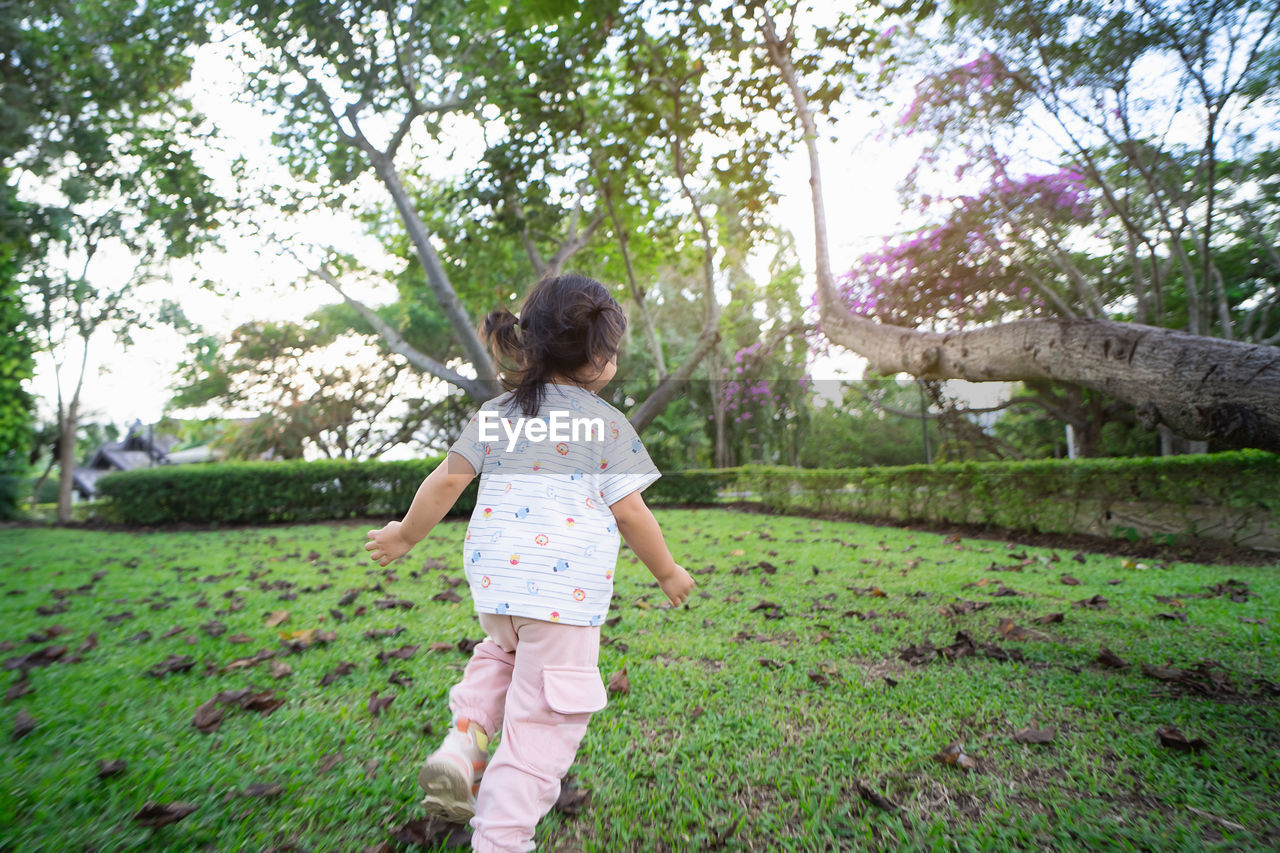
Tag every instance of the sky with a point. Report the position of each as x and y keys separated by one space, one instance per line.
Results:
x=860 y=172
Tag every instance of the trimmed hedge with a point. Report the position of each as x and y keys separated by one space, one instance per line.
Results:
x=248 y=492
x=1188 y=493
x=1237 y=494
x=251 y=492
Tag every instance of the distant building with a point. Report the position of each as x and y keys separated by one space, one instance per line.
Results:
x=140 y=448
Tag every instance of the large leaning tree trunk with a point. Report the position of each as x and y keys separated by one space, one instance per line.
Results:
x=1200 y=387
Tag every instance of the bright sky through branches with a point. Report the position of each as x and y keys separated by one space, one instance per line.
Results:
x=254 y=279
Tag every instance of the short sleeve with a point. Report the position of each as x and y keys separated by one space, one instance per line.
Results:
x=469 y=446
x=626 y=466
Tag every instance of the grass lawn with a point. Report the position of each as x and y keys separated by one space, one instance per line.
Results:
x=799 y=701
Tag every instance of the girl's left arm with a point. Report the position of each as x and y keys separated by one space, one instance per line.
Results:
x=434 y=498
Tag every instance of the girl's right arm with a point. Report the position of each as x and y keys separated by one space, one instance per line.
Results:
x=434 y=498
x=638 y=526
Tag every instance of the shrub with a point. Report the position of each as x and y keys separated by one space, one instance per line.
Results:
x=12 y=469
x=1045 y=495
x=244 y=492
x=688 y=487
x=1055 y=495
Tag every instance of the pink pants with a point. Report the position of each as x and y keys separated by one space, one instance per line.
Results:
x=539 y=683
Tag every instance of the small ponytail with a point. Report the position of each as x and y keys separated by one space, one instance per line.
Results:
x=499 y=330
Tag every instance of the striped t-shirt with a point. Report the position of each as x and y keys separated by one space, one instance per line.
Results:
x=542 y=542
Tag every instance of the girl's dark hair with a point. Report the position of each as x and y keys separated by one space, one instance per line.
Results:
x=567 y=323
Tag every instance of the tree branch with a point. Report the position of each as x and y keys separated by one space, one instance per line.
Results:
x=1201 y=387
x=396 y=342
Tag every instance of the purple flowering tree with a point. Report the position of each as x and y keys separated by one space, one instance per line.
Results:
x=1116 y=270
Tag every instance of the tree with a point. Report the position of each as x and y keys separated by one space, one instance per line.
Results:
x=1109 y=230
x=16 y=366
x=357 y=79
x=311 y=387
x=1201 y=387
x=606 y=126
x=99 y=128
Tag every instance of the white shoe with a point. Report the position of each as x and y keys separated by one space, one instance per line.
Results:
x=451 y=776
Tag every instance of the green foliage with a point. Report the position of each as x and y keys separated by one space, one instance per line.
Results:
x=677 y=439
x=1043 y=495
x=685 y=487
x=12 y=471
x=260 y=492
x=313 y=385
x=296 y=490
x=16 y=362
x=1164 y=197
x=867 y=429
x=17 y=365
x=97 y=160
x=838 y=439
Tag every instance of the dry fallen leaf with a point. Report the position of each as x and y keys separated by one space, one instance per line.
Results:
x=1034 y=735
x=23 y=724
x=173 y=663
x=402 y=653
x=377 y=704
x=432 y=832
x=159 y=814
x=264 y=702
x=343 y=668
x=298 y=639
x=263 y=789
x=208 y=717
x=876 y=799
x=1163 y=673
x=19 y=688
x=107 y=769
x=1106 y=657
x=954 y=754
x=1011 y=631
x=619 y=683
x=1171 y=738
x=572 y=799
x=276 y=617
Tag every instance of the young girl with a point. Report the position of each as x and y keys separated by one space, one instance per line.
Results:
x=561 y=476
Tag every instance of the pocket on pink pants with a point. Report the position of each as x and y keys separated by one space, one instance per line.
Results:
x=574 y=689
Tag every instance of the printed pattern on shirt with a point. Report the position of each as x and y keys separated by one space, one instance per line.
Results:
x=542 y=542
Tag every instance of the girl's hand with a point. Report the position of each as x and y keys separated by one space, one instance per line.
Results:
x=677 y=585
x=387 y=544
